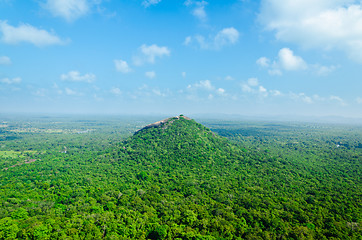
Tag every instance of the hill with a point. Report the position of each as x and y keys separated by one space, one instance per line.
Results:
x=176 y=179
x=203 y=185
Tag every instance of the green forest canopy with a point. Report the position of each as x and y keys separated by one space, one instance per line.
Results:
x=178 y=179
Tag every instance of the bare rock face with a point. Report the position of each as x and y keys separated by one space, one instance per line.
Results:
x=163 y=123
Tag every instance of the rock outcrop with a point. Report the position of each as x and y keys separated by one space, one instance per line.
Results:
x=163 y=123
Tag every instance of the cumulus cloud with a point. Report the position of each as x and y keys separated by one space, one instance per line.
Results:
x=289 y=61
x=75 y=76
x=220 y=91
x=70 y=10
x=148 y=3
x=198 y=9
x=301 y=97
x=204 y=89
x=116 y=91
x=70 y=92
x=248 y=86
x=11 y=80
x=322 y=24
x=147 y=91
x=286 y=60
x=4 y=60
x=227 y=36
x=252 y=86
x=263 y=62
x=150 y=53
x=28 y=33
x=122 y=66
x=150 y=74
x=203 y=84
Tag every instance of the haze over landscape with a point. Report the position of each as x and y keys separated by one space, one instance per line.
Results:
x=268 y=57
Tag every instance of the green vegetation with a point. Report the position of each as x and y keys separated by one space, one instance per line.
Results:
x=179 y=180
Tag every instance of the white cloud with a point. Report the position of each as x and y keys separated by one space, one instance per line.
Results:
x=150 y=74
x=246 y=88
x=75 y=76
x=220 y=91
x=315 y=99
x=28 y=33
x=4 y=60
x=289 y=61
x=70 y=10
x=122 y=66
x=42 y=92
x=200 y=13
x=70 y=92
x=116 y=91
x=150 y=53
x=359 y=100
x=286 y=60
x=253 y=82
x=97 y=98
x=199 y=9
x=337 y=99
x=57 y=89
x=301 y=96
x=263 y=61
x=183 y=74
x=11 y=80
x=275 y=93
x=229 y=78
x=148 y=3
x=188 y=40
x=324 y=70
x=203 y=84
x=252 y=86
x=227 y=36
x=146 y=91
x=263 y=91
x=275 y=72
x=322 y=24
x=158 y=92
x=204 y=89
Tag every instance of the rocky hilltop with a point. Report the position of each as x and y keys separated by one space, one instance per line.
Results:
x=163 y=123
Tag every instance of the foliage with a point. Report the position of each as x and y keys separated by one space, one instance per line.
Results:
x=179 y=180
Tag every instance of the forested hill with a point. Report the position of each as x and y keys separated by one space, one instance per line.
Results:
x=194 y=184
x=180 y=142
x=176 y=179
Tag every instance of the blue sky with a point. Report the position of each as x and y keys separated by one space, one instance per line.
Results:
x=268 y=57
